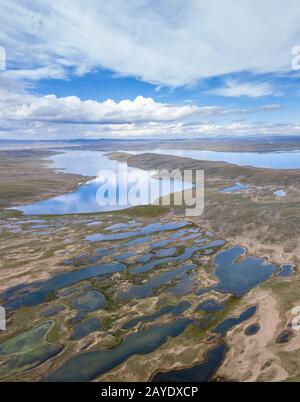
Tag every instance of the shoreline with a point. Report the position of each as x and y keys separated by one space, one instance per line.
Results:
x=256 y=220
x=28 y=177
x=62 y=182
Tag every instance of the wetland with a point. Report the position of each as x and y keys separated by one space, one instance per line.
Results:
x=98 y=295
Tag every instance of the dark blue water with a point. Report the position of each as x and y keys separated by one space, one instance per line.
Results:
x=161 y=243
x=212 y=244
x=78 y=317
x=86 y=327
x=210 y=306
x=238 y=277
x=166 y=252
x=231 y=322
x=172 y=310
x=123 y=257
x=184 y=285
x=252 y=329
x=201 y=372
x=52 y=311
x=38 y=292
x=136 y=242
x=90 y=365
x=145 y=258
x=156 y=227
x=188 y=253
x=284 y=337
x=147 y=289
x=91 y=300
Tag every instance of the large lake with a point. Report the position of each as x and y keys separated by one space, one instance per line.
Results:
x=85 y=198
x=273 y=160
x=111 y=190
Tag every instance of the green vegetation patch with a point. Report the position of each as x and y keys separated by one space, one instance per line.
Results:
x=26 y=341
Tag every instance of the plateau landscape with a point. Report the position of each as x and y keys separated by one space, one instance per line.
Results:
x=113 y=118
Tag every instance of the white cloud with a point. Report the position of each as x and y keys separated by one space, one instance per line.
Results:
x=173 y=42
x=28 y=116
x=272 y=107
x=43 y=130
x=71 y=109
x=35 y=74
x=250 y=89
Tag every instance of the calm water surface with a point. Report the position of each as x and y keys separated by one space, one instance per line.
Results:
x=84 y=200
x=89 y=365
x=273 y=160
x=238 y=277
x=200 y=372
x=89 y=163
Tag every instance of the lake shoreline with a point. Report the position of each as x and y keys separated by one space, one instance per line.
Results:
x=32 y=177
x=248 y=228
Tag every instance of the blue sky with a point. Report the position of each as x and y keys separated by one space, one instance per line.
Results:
x=145 y=68
x=104 y=84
